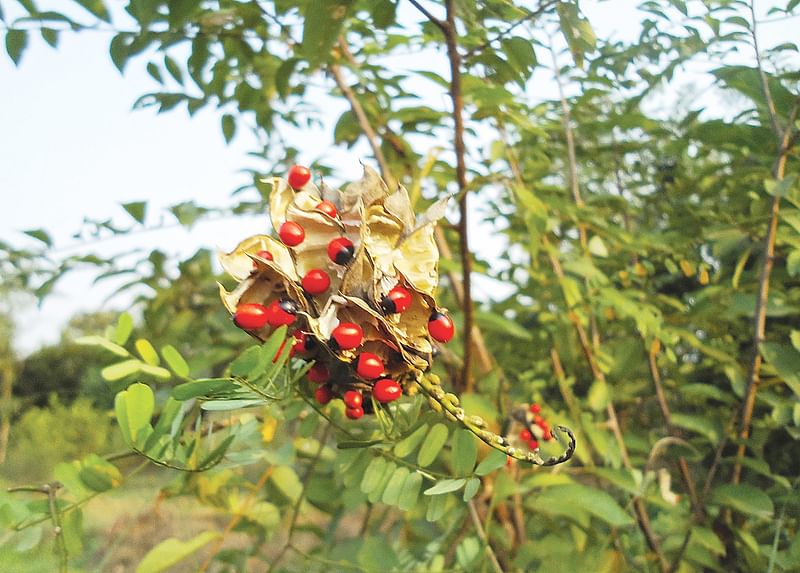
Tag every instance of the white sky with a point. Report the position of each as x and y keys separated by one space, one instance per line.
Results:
x=70 y=146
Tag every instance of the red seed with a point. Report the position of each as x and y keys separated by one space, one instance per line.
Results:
x=533 y=444
x=266 y=255
x=396 y=300
x=386 y=390
x=353 y=399
x=348 y=335
x=328 y=208
x=319 y=374
x=251 y=316
x=354 y=413
x=525 y=435
x=277 y=314
x=369 y=366
x=291 y=234
x=323 y=394
x=547 y=435
x=341 y=250
x=441 y=327
x=535 y=408
x=298 y=176
x=538 y=420
x=316 y=281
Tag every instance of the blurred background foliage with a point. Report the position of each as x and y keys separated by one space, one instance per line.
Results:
x=641 y=240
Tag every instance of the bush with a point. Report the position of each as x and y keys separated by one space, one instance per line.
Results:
x=44 y=437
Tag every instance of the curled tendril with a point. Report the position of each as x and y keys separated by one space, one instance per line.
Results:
x=448 y=404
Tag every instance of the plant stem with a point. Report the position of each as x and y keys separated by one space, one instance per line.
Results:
x=655 y=375
x=476 y=521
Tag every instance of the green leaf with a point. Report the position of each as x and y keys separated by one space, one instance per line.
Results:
x=744 y=498
x=465 y=452
x=156 y=372
x=520 y=54
x=120 y=51
x=102 y=343
x=147 y=352
x=173 y=68
x=16 y=42
x=472 y=487
x=391 y=495
x=373 y=474
x=96 y=7
x=123 y=329
x=207 y=387
x=410 y=493
x=134 y=409
x=154 y=72
x=175 y=361
x=121 y=370
x=780 y=188
x=50 y=36
x=286 y=480
x=98 y=474
x=137 y=210
x=39 y=234
x=786 y=361
x=432 y=445
x=172 y=551
x=698 y=423
x=501 y=325
x=446 y=486
x=577 y=31
x=408 y=444
x=597 y=247
x=436 y=507
x=494 y=460
x=228 y=127
x=589 y=499
x=322 y=25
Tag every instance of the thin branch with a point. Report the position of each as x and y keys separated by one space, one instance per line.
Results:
x=476 y=521
x=451 y=40
x=773 y=114
x=433 y=19
x=363 y=121
x=661 y=397
x=569 y=134
x=531 y=15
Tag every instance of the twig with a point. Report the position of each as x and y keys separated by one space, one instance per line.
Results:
x=434 y=20
x=661 y=397
x=363 y=122
x=476 y=521
x=531 y=15
x=50 y=490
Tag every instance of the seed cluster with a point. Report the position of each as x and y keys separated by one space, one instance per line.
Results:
x=353 y=276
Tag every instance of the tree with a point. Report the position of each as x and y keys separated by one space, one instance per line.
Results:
x=648 y=264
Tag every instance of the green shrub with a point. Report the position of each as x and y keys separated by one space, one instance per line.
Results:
x=43 y=437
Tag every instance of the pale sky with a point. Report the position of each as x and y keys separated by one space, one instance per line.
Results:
x=71 y=146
